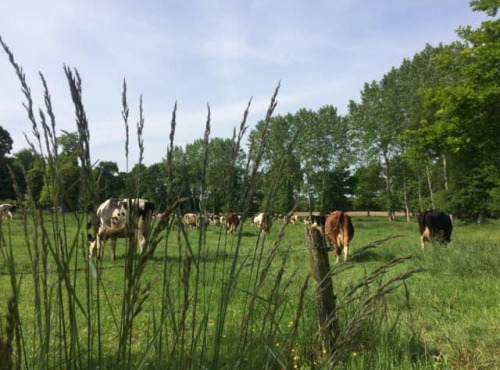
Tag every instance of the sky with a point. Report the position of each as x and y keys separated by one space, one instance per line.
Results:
x=206 y=52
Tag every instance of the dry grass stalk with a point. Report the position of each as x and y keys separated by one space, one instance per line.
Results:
x=230 y=201
x=6 y=350
x=125 y=113
x=298 y=315
x=25 y=90
x=369 y=303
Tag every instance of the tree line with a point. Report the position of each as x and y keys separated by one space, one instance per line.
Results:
x=424 y=136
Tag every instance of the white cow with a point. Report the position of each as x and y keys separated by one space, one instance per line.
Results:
x=7 y=210
x=263 y=222
x=113 y=216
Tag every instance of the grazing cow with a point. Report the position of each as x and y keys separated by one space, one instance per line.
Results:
x=113 y=216
x=339 y=231
x=434 y=224
x=232 y=222
x=191 y=219
x=202 y=220
x=263 y=221
x=214 y=220
x=7 y=210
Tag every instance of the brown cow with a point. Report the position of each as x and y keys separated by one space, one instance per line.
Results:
x=339 y=231
x=232 y=222
x=190 y=219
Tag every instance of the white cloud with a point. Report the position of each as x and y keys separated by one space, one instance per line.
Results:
x=207 y=51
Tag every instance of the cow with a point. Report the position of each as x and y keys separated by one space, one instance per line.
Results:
x=232 y=222
x=191 y=219
x=295 y=218
x=318 y=220
x=113 y=222
x=214 y=220
x=263 y=221
x=434 y=224
x=7 y=210
x=339 y=231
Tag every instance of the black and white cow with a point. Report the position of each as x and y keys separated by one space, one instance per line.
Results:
x=7 y=210
x=113 y=220
x=434 y=224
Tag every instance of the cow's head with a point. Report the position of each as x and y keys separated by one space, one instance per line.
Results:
x=94 y=246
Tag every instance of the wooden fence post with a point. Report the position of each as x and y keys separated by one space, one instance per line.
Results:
x=320 y=270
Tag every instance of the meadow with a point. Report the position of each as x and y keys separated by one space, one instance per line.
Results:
x=212 y=300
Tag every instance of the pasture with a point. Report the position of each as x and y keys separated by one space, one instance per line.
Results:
x=212 y=300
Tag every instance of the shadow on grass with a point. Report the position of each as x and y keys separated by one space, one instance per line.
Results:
x=367 y=256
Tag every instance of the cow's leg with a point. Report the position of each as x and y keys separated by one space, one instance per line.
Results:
x=345 y=243
x=338 y=251
x=96 y=244
x=424 y=237
x=141 y=242
x=113 y=249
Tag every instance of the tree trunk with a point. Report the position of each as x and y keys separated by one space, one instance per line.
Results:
x=390 y=212
x=405 y=197
x=445 y=173
x=429 y=182
x=323 y=191
x=419 y=187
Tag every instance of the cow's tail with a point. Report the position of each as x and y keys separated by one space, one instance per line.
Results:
x=340 y=221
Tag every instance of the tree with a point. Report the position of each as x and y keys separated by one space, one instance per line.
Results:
x=466 y=124
x=279 y=182
x=377 y=121
x=32 y=163
x=6 y=188
x=64 y=176
x=369 y=185
x=5 y=142
x=111 y=183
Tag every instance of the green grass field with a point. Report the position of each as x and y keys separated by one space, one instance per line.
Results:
x=214 y=304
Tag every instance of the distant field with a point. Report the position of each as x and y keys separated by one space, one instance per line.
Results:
x=224 y=312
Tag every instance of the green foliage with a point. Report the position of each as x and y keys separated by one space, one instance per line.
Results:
x=471 y=195
x=66 y=171
x=111 y=183
x=369 y=186
x=5 y=142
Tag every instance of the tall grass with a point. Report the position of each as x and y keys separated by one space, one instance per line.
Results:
x=192 y=299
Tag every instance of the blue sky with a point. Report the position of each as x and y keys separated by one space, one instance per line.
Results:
x=198 y=52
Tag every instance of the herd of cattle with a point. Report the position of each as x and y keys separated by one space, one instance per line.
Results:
x=113 y=216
